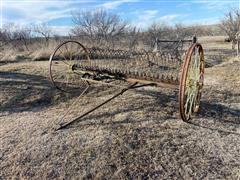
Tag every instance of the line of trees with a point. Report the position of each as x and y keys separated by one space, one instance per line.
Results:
x=102 y=28
x=22 y=37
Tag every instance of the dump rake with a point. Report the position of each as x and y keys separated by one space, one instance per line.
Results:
x=74 y=67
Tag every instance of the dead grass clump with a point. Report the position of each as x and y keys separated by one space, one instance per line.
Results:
x=44 y=52
x=9 y=55
x=41 y=54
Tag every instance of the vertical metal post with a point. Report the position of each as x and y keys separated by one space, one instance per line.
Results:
x=194 y=39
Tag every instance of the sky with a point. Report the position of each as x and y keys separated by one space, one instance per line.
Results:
x=140 y=13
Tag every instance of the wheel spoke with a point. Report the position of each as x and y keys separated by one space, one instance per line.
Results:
x=186 y=104
x=64 y=57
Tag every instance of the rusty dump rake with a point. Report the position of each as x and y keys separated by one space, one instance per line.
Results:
x=73 y=67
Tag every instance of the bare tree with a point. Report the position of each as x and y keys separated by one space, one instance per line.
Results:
x=230 y=24
x=3 y=37
x=99 y=26
x=133 y=36
x=17 y=36
x=44 y=30
x=182 y=32
x=159 y=30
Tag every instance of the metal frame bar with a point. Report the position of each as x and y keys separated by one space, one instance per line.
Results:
x=193 y=40
x=132 y=86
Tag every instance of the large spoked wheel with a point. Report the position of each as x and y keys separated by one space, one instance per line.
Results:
x=62 y=63
x=191 y=82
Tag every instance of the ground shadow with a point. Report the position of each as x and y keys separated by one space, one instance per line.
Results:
x=27 y=92
x=219 y=112
x=224 y=120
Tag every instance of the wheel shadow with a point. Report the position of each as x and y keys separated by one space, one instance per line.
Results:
x=218 y=118
x=220 y=112
x=26 y=92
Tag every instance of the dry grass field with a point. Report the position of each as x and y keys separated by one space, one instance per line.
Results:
x=136 y=136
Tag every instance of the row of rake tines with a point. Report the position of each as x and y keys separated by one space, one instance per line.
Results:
x=142 y=55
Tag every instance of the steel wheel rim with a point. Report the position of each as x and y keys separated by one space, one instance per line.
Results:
x=73 y=82
x=191 y=82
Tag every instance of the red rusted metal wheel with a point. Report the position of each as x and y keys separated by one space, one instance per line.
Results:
x=62 y=63
x=191 y=82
